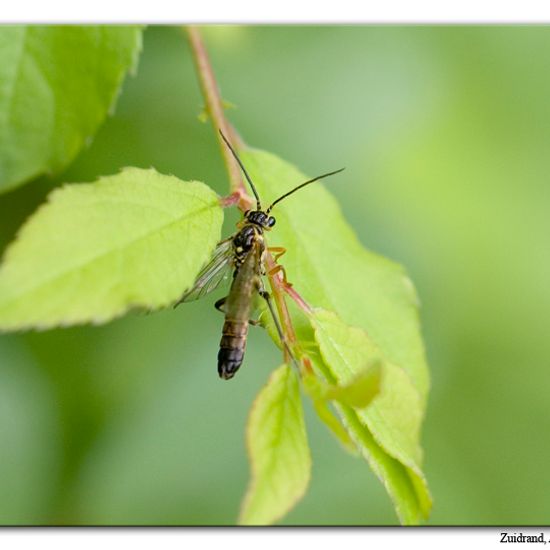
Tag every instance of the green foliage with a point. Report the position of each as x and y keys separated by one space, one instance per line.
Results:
x=278 y=450
x=57 y=84
x=326 y=415
x=138 y=239
x=93 y=251
x=358 y=393
x=330 y=269
x=447 y=171
x=361 y=389
x=393 y=419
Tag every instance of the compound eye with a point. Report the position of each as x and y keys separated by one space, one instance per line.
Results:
x=271 y=221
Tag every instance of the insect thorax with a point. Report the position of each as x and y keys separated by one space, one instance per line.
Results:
x=244 y=240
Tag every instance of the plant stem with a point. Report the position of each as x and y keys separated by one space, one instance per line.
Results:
x=214 y=107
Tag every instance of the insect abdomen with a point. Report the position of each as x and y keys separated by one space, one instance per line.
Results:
x=232 y=346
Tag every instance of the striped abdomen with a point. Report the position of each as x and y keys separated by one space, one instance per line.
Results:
x=232 y=346
x=237 y=314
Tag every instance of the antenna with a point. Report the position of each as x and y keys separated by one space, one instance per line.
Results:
x=300 y=186
x=258 y=204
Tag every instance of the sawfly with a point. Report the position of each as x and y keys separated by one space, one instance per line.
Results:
x=243 y=255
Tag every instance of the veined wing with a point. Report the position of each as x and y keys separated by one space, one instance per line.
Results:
x=217 y=270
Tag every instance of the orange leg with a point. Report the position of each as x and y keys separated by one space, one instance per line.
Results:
x=287 y=287
x=281 y=269
x=277 y=251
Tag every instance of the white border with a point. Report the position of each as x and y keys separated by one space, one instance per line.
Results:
x=266 y=539
x=273 y=12
x=280 y=12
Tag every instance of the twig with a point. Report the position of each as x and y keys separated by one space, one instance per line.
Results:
x=214 y=107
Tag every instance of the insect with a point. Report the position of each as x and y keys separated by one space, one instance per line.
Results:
x=243 y=254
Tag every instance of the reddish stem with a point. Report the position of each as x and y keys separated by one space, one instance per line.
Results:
x=214 y=107
x=302 y=304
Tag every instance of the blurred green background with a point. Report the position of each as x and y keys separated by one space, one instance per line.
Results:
x=445 y=134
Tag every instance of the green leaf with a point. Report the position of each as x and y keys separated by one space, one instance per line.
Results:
x=357 y=393
x=330 y=269
x=93 y=251
x=57 y=84
x=278 y=450
x=393 y=418
x=328 y=418
x=411 y=500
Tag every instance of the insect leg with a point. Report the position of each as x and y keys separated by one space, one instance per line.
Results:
x=277 y=251
x=266 y=296
x=277 y=269
x=220 y=303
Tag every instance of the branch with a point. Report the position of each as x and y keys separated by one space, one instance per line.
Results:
x=214 y=107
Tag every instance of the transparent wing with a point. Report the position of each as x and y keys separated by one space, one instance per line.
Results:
x=216 y=271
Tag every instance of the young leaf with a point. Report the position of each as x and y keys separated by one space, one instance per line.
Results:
x=93 y=251
x=330 y=269
x=278 y=449
x=395 y=415
x=357 y=393
x=328 y=418
x=57 y=84
x=411 y=500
